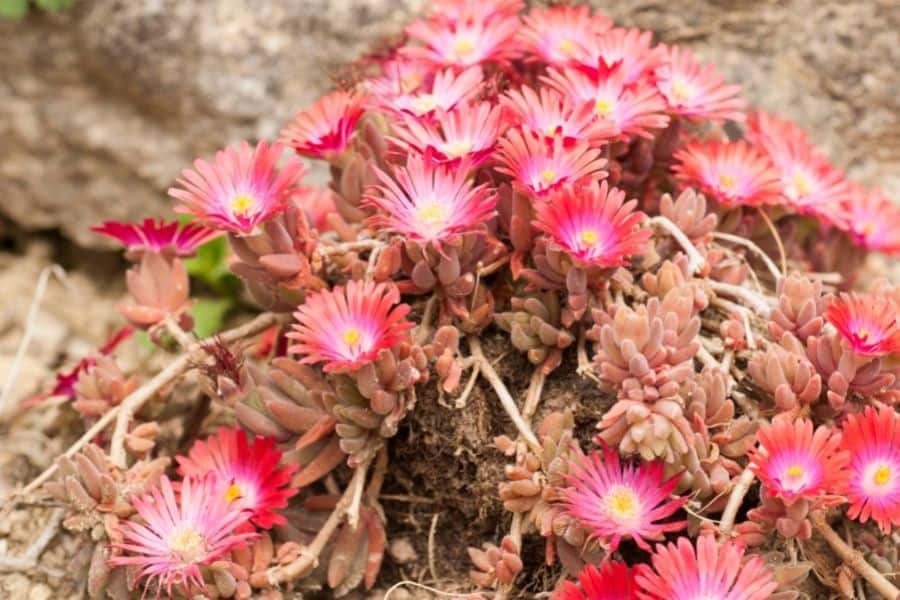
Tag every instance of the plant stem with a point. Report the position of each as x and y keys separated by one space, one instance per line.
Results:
x=695 y=259
x=735 y=500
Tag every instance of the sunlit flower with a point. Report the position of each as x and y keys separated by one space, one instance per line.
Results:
x=555 y=33
x=318 y=205
x=539 y=167
x=612 y=580
x=241 y=189
x=874 y=220
x=697 y=91
x=445 y=92
x=463 y=44
x=613 y=501
x=178 y=535
x=246 y=473
x=430 y=203
x=326 y=128
x=627 y=50
x=468 y=134
x=398 y=76
x=455 y=12
x=873 y=441
x=734 y=173
x=620 y=109
x=593 y=224
x=714 y=571
x=552 y=115
x=157 y=236
x=869 y=322
x=346 y=327
x=795 y=462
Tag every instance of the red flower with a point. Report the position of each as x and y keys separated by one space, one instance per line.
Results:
x=160 y=237
x=795 y=462
x=465 y=43
x=874 y=220
x=869 y=322
x=627 y=50
x=873 y=441
x=348 y=326
x=554 y=34
x=696 y=91
x=240 y=190
x=445 y=92
x=734 y=173
x=551 y=115
x=246 y=474
x=593 y=224
x=613 y=580
x=326 y=128
x=612 y=500
x=469 y=134
x=538 y=167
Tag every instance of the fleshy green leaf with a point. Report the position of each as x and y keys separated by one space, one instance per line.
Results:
x=209 y=315
x=54 y=5
x=13 y=9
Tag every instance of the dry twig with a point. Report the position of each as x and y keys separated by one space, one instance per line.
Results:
x=695 y=260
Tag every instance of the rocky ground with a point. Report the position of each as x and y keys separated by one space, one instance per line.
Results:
x=103 y=104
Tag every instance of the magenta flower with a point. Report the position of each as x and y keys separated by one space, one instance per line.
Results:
x=869 y=322
x=873 y=489
x=160 y=237
x=613 y=501
x=538 y=167
x=874 y=220
x=697 y=91
x=612 y=580
x=465 y=43
x=246 y=473
x=715 y=570
x=551 y=115
x=734 y=173
x=240 y=190
x=593 y=224
x=430 y=203
x=347 y=327
x=178 y=535
x=554 y=34
x=469 y=133
x=327 y=127
x=627 y=50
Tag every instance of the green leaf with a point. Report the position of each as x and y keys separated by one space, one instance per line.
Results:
x=209 y=315
x=54 y=5
x=13 y=9
x=210 y=265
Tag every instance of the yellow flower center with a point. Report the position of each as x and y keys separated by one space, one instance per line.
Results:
x=232 y=493
x=622 y=503
x=802 y=184
x=727 y=182
x=882 y=475
x=795 y=471
x=424 y=103
x=410 y=82
x=868 y=228
x=351 y=337
x=681 y=91
x=188 y=543
x=463 y=47
x=863 y=333
x=603 y=107
x=432 y=213
x=566 y=47
x=589 y=237
x=457 y=149
x=242 y=204
x=548 y=175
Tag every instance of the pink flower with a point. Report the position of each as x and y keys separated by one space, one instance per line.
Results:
x=179 y=535
x=696 y=91
x=551 y=115
x=456 y=12
x=160 y=237
x=398 y=76
x=734 y=173
x=620 y=109
x=347 y=327
x=318 y=205
x=430 y=203
x=246 y=474
x=873 y=441
x=468 y=134
x=463 y=44
x=714 y=570
x=326 y=128
x=627 y=50
x=794 y=462
x=874 y=220
x=869 y=322
x=240 y=190
x=447 y=91
x=554 y=34
x=614 y=501
x=593 y=224
x=538 y=167
x=613 y=580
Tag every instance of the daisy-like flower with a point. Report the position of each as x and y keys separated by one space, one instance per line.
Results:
x=157 y=236
x=697 y=91
x=795 y=462
x=554 y=34
x=734 y=173
x=430 y=203
x=869 y=322
x=613 y=501
x=593 y=224
x=240 y=190
x=550 y=115
x=712 y=571
x=810 y=184
x=620 y=109
x=455 y=12
x=346 y=327
x=539 y=167
x=463 y=44
x=874 y=220
x=628 y=50
x=327 y=127
x=179 y=534
x=246 y=473
x=446 y=91
x=398 y=76
x=873 y=441
x=612 y=580
x=468 y=134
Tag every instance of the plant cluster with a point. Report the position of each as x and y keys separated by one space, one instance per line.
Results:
x=604 y=201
